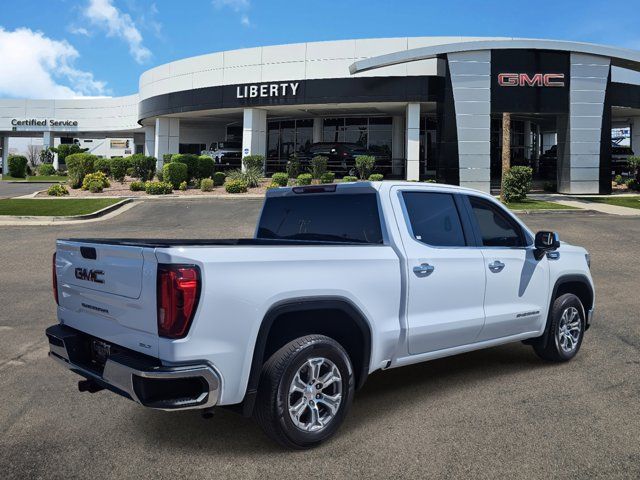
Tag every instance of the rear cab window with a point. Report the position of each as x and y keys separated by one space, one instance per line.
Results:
x=325 y=217
x=434 y=218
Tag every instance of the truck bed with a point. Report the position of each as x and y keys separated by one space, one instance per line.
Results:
x=178 y=242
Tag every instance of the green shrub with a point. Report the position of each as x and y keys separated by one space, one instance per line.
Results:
x=328 y=177
x=183 y=186
x=304 y=179
x=349 y=178
x=158 y=188
x=46 y=169
x=143 y=167
x=206 y=184
x=95 y=178
x=119 y=168
x=293 y=166
x=57 y=190
x=273 y=185
x=66 y=149
x=377 y=177
x=102 y=165
x=318 y=166
x=175 y=173
x=618 y=180
x=94 y=186
x=78 y=166
x=251 y=176
x=46 y=156
x=219 y=178
x=281 y=179
x=190 y=160
x=632 y=184
x=517 y=183
x=365 y=165
x=166 y=157
x=136 y=186
x=634 y=166
x=205 y=166
x=30 y=171
x=17 y=166
x=255 y=162
x=130 y=171
x=236 y=186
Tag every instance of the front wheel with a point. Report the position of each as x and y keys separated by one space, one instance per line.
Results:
x=566 y=329
x=305 y=391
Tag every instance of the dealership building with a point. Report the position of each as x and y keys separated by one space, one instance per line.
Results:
x=428 y=107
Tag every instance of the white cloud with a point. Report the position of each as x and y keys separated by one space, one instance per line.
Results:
x=36 y=66
x=103 y=14
x=79 y=31
x=238 y=6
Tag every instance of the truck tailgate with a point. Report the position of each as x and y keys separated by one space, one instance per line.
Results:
x=101 y=292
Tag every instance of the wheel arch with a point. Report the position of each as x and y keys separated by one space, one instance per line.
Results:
x=300 y=306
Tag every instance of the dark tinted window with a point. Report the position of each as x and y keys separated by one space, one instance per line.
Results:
x=322 y=217
x=434 y=219
x=496 y=228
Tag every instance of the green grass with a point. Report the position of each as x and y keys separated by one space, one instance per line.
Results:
x=57 y=207
x=631 y=202
x=530 y=204
x=37 y=178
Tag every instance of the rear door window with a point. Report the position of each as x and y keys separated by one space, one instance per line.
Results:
x=329 y=217
x=434 y=219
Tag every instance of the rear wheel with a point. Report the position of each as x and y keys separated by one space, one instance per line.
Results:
x=564 y=337
x=305 y=391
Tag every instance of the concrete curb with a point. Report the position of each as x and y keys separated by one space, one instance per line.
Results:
x=556 y=210
x=102 y=214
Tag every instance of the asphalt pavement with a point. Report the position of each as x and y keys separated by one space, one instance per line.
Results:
x=16 y=189
x=495 y=413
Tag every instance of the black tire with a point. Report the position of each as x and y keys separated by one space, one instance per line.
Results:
x=273 y=400
x=550 y=346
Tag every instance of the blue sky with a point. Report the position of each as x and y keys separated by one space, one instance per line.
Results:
x=65 y=48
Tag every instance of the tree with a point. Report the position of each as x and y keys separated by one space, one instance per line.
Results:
x=33 y=154
x=46 y=155
x=506 y=150
x=634 y=167
x=66 y=149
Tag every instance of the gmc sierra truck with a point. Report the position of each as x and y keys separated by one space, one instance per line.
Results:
x=339 y=281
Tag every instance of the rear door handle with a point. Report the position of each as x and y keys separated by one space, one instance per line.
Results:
x=496 y=266
x=423 y=270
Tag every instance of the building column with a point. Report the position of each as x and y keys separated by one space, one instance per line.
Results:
x=413 y=141
x=317 y=130
x=47 y=142
x=397 y=144
x=635 y=135
x=149 y=141
x=579 y=166
x=254 y=132
x=166 y=138
x=471 y=84
x=527 y=140
x=5 y=155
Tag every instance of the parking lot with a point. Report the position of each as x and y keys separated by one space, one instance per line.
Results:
x=489 y=414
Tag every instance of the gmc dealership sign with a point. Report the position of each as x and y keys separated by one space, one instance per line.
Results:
x=535 y=80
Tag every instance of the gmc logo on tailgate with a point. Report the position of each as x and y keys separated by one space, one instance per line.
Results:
x=535 y=80
x=89 y=275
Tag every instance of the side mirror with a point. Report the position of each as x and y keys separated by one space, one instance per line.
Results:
x=546 y=242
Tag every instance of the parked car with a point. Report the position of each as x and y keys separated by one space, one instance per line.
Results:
x=225 y=153
x=341 y=155
x=340 y=280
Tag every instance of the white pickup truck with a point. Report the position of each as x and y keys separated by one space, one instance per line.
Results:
x=340 y=281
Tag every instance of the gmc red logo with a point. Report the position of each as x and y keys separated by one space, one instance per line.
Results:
x=535 y=80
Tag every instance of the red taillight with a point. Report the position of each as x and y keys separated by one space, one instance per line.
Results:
x=54 y=278
x=178 y=295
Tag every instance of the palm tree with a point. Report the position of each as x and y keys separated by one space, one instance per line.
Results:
x=506 y=149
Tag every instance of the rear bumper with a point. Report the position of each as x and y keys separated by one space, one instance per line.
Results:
x=138 y=377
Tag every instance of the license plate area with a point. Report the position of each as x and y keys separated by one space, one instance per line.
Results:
x=100 y=351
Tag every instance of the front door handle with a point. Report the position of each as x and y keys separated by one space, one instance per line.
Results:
x=423 y=270
x=496 y=266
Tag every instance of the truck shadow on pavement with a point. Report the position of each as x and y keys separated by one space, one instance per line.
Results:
x=385 y=393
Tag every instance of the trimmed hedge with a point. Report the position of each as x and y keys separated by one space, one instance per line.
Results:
x=206 y=184
x=175 y=173
x=143 y=167
x=281 y=179
x=219 y=178
x=78 y=166
x=365 y=165
x=93 y=180
x=328 y=177
x=376 y=177
x=318 y=166
x=102 y=165
x=119 y=167
x=158 y=188
x=190 y=160
x=17 y=166
x=46 y=169
x=205 y=166
x=254 y=162
x=137 y=186
x=349 y=178
x=236 y=186
x=517 y=183
x=57 y=190
x=273 y=186
x=304 y=179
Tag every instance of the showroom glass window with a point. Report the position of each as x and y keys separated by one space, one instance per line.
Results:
x=434 y=219
x=496 y=227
